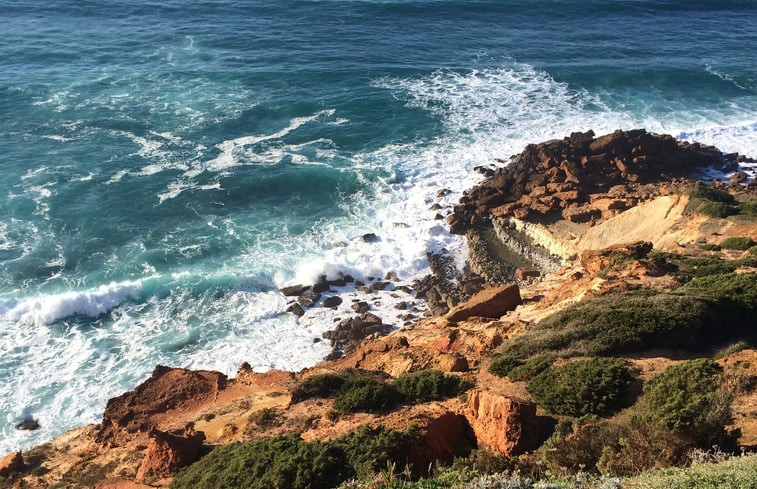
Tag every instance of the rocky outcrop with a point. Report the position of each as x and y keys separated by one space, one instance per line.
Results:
x=351 y=331
x=168 y=452
x=445 y=286
x=504 y=424
x=444 y=438
x=489 y=303
x=11 y=464
x=557 y=178
x=166 y=390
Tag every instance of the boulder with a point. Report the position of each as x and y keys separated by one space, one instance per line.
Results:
x=331 y=302
x=294 y=290
x=11 y=463
x=442 y=440
x=506 y=425
x=489 y=303
x=168 y=452
x=296 y=309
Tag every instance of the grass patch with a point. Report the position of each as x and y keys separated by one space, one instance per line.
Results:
x=596 y=386
x=736 y=473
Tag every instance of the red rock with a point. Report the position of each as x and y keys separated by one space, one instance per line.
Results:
x=524 y=273
x=168 y=388
x=489 y=303
x=504 y=424
x=444 y=438
x=570 y=195
x=11 y=463
x=166 y=453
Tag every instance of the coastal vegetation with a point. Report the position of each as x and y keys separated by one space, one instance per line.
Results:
x=288 y=461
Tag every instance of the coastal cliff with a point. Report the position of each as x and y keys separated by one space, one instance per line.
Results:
x=586 y=249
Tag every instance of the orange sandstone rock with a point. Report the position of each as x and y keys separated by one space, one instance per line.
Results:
x=168 y=452
x=504 y=424
x=11 y=463
x=489 y=303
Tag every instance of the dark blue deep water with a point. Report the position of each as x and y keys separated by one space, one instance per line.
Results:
x=165 y=166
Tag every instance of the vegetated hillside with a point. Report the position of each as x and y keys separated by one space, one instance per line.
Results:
x=625 y=360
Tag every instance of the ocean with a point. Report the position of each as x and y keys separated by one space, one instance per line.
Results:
x=167 y=166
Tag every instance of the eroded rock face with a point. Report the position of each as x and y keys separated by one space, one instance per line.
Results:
x=167 y=452
x=504 y=424
x=443 y=439
x=489 y=303
x=11 y=463
x=560 y=177
x=167 y=389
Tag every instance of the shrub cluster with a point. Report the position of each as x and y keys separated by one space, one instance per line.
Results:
x=365 y=394
x=361 y=392
x=585 y=387
x=289 y=462
x=686 y=400
x=427 y=385
x=702 y=191
x=737 y=243
x=711 y=310
x=719 y=203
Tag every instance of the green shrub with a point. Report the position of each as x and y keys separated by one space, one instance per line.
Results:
x=502 y=365
x=365 y=394
x=282 y=461
x=529 y=370
x=702 y=191
x=323 y=385
x=709 y=247
x=595 y=386
x=716 y=209
x=427 y=385
x=369 y=449
x=291 y=463
x=685 y=399
x=737 y=243
x=733 y=294
x=748 y=209
x=712 y=310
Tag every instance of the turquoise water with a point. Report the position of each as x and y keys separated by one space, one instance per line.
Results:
x=166 y=166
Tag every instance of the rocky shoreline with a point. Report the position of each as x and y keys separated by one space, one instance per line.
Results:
x=544 y=233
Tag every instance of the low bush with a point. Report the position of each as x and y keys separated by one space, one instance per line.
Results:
x=595 y=386
x=685 y=399
x=323 y=385
x=529 y=370
x=748 y=209
x=611 y=324
x=717 y=209
x=502 y=365
x=282 y=461
x=428 y=385
x=289 y=462
x=737 y=243
x=708 y=312
x=365 y=394
x=702 y=191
